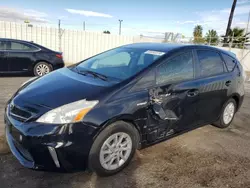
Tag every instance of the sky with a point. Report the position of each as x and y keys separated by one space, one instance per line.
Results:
x=146 y=17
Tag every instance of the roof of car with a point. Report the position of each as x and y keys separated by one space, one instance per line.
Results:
x=15 y=40
x=166 y=47
x=163 y=47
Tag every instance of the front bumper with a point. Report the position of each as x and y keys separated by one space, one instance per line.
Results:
x=19 y=152
x=47 y=146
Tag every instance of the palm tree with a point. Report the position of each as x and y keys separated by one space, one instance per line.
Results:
x=237 y=38
x=198 y=34
x=212 y=37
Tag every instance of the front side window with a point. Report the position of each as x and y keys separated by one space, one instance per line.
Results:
x=177 y=69
x=120 y=63
x=117 y=60
x=20 y=46
x=230 y=62
x=210 y=63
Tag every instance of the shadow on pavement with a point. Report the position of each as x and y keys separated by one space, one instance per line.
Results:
x=12 y=174
x=7 y=75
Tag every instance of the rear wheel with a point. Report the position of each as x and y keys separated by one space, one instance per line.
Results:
x=227 y=115
x=113 y=149
x=42 y=68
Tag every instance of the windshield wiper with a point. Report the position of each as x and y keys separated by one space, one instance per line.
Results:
x=98 y=75
x=95 y=74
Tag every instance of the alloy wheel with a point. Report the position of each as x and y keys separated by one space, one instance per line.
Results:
x=42 y=69
x=228 y=113
x=115 y=151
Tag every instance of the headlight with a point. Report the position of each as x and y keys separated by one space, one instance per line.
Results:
x=69 y=113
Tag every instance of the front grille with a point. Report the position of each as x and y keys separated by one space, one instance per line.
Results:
x=23 y=151
x=19 y=114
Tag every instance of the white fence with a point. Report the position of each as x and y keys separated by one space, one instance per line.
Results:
x=77 y=45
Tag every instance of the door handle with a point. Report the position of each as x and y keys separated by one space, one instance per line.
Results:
x=192 y=93
x=228 y=83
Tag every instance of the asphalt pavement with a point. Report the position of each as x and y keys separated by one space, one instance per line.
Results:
x=205 y=157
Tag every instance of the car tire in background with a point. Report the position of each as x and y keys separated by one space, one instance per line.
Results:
x=227 y=114
x=42 y=68
x=113 y=148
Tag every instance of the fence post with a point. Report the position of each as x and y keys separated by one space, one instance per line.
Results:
x=231 y=43
x=5 y=29
x=10 y=30
x=16 y=29
x=26 y=31
x=245 y=38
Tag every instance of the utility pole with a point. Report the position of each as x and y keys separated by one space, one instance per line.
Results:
x=59 y=34
x=84 y=26
x=230 y=19
x=120 y=26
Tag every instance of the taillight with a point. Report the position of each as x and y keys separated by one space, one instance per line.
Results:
x=59 y=56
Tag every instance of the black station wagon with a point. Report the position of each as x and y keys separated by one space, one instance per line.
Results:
x=96 y=113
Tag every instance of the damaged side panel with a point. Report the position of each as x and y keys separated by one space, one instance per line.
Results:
x=171 y=110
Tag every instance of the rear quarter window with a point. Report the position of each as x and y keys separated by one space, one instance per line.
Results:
x=230 y=62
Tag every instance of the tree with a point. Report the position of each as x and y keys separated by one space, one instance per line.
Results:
x=212 y=37
x=106 y=32
x=198 y=35
x=230 y=19
x=237 y=38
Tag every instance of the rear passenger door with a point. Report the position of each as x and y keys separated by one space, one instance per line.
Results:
x=20 y=56
x=214 y=85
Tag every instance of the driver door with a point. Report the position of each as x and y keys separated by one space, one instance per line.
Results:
x=174 y=98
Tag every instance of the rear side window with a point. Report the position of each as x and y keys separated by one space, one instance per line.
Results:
x=179 y=68
x=230 y=62
x=3 y=45
x=210 y=63
x=20 y=46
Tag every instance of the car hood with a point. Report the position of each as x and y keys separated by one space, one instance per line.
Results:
x=61 y=87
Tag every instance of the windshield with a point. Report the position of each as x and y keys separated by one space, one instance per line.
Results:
x=120 y=63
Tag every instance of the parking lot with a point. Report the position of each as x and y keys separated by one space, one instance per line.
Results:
x=205 y=157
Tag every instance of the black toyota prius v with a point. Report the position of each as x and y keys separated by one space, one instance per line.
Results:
x=96 y=113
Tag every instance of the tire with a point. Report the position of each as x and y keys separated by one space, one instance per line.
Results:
x=222 y=123
x=97 y=155
x=42 y=68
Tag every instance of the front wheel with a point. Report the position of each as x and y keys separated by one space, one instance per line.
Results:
x=227 y=115
x=113 y=148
